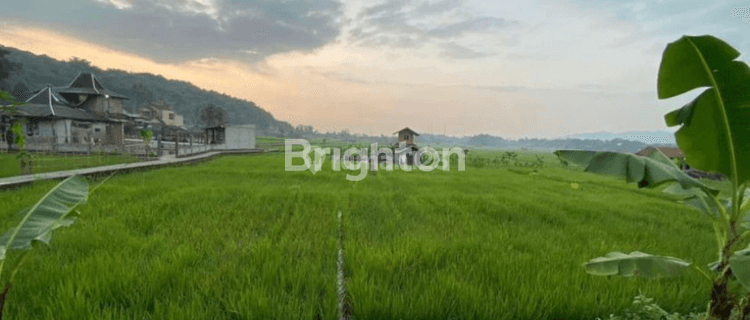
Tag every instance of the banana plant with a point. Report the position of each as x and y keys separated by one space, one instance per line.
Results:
x=8 y=105
x=54 y=210
x=714 y=135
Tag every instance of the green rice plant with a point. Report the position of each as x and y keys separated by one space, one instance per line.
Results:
x=715 y=136
x=421 y=245
x=539 y=162
x=496 y=161
x=54 y=210
x=509 y=157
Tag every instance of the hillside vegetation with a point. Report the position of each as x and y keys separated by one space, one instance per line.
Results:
x=37 y=71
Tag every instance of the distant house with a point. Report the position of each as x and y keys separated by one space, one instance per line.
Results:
x=670 y=152
x=50 y=118
x=675 y=153
x=163 y=112
x=87 y=92
x=83 y=112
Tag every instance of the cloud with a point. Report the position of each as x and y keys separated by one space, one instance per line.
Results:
x=412 y=24
x=180 y=30
x=119 y=4
x=465 y=26
x=452 y=50
x=338 y=76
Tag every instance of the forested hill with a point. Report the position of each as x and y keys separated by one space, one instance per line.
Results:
x=36 y=71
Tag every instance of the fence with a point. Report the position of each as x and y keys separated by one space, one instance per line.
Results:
x=47 y=155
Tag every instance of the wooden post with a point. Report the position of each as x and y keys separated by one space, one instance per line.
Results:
x=159 y=145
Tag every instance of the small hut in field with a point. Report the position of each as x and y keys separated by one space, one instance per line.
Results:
x=406 y=146
x=407 y=135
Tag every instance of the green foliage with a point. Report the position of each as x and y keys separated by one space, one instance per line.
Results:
x=146 y=135
x=679 y=161
x=8 y=105
x=509 y=157
x=645 y=308
x=563 y=163
x=651 y=171
x=635 y=264
x=477 y=244
x=713 y=134
x=7 y=67
x=141 y=88
x=52 y=211
x=715 y=137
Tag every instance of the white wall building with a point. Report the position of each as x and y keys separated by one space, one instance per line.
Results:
x=240 y=137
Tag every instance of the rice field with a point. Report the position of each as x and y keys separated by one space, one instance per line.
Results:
x=240 y=238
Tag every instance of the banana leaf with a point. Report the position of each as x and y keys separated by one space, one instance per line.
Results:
x=715 y=126
x=651 y=171
x=54 y=210
x=635 y=264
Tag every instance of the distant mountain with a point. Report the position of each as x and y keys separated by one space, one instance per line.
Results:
x=647 y=137
x=38 y=71
x=485 y=140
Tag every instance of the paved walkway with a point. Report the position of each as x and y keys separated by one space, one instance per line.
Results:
x=13 y=182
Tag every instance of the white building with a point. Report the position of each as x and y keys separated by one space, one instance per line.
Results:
x=162 y=112
x=232 y=137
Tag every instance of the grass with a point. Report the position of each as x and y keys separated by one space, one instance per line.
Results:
x=41 y=163
x=239 y=238
x=495 y=244
x=220 y=241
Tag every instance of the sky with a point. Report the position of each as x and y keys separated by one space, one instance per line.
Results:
x=538 y=68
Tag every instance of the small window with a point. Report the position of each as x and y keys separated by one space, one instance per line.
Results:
x=32 y=129
x=171 y=116
x=97 y=129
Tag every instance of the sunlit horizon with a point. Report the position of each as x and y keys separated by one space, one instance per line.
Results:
x=458 y=68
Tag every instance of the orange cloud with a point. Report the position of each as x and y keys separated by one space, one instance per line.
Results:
x=378 y=91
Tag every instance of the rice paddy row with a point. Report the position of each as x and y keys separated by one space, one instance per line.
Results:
x=240 y=238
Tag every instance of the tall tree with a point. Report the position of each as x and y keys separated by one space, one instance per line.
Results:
x=21 y=92
x=82 y=65
x=6 y=67
x=211 y=116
